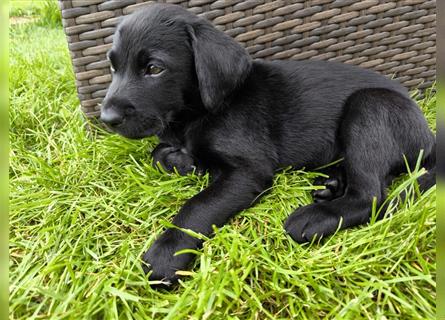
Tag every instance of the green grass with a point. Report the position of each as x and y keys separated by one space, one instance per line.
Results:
x=44 y=12
x=83 y=209
x=23 y=8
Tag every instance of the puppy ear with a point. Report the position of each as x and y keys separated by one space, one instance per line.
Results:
x=221 y=63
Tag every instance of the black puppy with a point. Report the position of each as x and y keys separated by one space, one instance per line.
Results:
x=215 y=109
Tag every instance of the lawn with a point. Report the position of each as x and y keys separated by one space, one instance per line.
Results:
x=84 y=207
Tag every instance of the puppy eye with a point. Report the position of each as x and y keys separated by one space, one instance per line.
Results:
x=153 y=70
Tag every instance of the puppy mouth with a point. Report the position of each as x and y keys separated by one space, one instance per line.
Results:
x=138 y=127
x=114 y=127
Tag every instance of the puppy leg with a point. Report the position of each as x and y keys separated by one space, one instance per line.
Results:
x=379 y=128
x=334 y=185
x=170 y=157
x=353 y=208
x=228 y=194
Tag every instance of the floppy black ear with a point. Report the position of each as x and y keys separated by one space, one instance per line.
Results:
x=221 y=63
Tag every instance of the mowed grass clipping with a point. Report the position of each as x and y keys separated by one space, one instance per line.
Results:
x=83 y=210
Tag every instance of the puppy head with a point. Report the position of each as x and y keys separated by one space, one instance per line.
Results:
x=165 y=61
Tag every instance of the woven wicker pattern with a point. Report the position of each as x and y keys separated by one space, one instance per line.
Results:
x=396 y=38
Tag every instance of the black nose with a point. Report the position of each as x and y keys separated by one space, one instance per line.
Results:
x=110 y=116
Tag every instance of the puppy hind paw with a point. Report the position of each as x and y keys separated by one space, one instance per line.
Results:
x=311 y=223
x=334 y=188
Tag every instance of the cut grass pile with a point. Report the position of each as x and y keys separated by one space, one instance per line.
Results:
x=83 y=210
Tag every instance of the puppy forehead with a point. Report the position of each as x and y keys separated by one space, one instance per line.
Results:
x=157 y=27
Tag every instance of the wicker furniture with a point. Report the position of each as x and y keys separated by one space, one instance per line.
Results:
x=394 y=37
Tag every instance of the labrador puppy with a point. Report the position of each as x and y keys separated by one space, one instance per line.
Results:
x=216 y=110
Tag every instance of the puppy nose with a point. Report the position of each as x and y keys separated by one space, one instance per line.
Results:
x=110 y=116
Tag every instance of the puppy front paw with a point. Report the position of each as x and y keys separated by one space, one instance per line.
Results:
x=311 y=222
x=161 y=260
x=170 y=157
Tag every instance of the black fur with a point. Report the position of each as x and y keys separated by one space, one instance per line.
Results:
x=214 y=108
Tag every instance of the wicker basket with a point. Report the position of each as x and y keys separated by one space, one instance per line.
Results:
x=396 y=37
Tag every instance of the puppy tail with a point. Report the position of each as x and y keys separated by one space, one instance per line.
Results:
x=425 y=182
x=428 y=180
